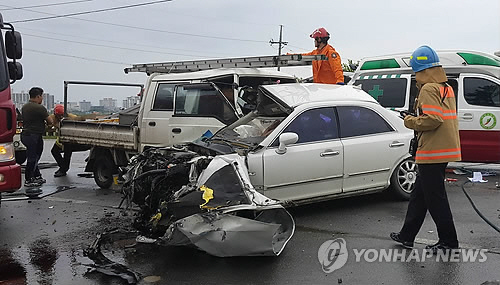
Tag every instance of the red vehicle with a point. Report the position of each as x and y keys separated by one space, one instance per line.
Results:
x=10 y=71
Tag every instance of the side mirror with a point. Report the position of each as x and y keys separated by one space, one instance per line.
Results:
x=13 y=45
x=286 y=139
x=15 y=70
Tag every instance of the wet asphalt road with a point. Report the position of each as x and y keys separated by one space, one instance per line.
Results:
x=41 y=240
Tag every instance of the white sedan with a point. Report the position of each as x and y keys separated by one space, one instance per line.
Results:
x=309 y=142
x=298 y=143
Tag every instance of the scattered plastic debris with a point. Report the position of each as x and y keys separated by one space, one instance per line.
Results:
x=477 y=177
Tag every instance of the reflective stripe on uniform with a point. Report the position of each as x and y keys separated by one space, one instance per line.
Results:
x=437 y=110
x=449 y=93
x=438 y=154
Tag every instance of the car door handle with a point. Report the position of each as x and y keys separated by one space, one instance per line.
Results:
x=396 y=144
x=329 y=153
x=176 y=130
x=467 y=116
x=152 y=124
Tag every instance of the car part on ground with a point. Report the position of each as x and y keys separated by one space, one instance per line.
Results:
x=104 y=265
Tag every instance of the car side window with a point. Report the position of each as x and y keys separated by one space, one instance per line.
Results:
x=164 y=99
x=315 y=125
x=481 y=92
x=203 y=102
x=389 y=92
x=358 y=121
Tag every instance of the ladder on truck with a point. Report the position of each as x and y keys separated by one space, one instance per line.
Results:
x=237 y=62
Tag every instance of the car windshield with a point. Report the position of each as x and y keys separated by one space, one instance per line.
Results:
x=255 y=126
x=250 y=130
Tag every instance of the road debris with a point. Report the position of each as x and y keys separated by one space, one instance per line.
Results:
x=195 y=200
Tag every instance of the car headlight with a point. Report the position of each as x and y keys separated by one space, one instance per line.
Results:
x=6 y=152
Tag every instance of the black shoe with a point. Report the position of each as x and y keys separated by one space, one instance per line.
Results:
x=32 y=183
x=396 y=237
x=440 y=247
x=40 y=180
x=60 y=173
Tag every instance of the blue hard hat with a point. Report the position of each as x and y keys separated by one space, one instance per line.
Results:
x=424 y=57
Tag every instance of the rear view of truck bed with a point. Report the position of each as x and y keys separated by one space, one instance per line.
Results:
x=99 y=134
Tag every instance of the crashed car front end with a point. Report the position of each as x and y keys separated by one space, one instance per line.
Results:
x=188 y=198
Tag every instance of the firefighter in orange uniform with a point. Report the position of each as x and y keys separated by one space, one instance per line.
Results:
x=330 y=70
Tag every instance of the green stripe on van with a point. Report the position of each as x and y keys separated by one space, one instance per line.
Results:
x=380 y=64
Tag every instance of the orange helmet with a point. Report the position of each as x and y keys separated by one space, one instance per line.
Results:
x=320 y=33
x=59 y=109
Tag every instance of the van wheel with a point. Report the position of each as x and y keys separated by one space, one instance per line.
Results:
x=103 y=172
x=20 y=156
x=403 y=179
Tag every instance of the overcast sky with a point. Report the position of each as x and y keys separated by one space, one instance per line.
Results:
x=98 y=46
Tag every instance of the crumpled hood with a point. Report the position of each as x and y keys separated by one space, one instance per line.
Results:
x=431 y=75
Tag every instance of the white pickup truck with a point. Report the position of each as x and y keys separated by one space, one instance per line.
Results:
x=174 y=108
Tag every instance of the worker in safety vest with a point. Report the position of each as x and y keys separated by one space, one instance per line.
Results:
x=67 y=148
x=436 y=126
x=330 y=70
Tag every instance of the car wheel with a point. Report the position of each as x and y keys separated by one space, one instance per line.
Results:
x=403 y=179
x=20 y=156
x=103 y=172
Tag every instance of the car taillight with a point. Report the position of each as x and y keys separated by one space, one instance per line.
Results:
x=6 y=152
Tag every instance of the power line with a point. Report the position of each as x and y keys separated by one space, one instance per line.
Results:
x=108 y=46
x=78 y=57
x=92 y=11
x=117 y=42
x=148 y=29
x=46 y=5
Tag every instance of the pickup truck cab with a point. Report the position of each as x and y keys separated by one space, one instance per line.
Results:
x=175 y=108
x=475 y=78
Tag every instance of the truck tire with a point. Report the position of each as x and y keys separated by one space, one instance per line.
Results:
x=403 y=179
x=104 y=168
x=20 y=156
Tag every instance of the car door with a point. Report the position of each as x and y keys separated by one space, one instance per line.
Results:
x=198 y=108
x=311 y=167
x=158 y=109
x=372 y=147
x=478 y=117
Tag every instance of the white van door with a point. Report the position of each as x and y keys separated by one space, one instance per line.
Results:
x=198 y=108
x=479 y=117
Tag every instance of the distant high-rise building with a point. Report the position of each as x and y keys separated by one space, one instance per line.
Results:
x=48 y=101
x=85 y=106
x=131 y=101
x=108 y=103
x=73 y=106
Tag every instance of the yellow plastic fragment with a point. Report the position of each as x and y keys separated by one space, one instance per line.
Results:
x=208 y=194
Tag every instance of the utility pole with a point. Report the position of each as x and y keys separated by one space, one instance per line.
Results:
x=280 y=43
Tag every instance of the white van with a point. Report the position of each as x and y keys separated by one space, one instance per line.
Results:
x=475 y=78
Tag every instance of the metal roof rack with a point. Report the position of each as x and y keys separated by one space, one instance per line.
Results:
x=238 y=62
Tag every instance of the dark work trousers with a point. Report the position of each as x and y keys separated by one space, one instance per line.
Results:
x=34 y=150
x=430 y=194
x=63 y=161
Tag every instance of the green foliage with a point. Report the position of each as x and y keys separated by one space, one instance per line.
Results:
x=350 y=66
